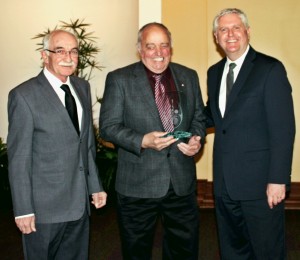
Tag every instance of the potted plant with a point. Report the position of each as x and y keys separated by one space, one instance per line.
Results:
x=106 y=159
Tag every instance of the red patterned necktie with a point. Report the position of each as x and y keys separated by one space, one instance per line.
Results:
x=163 y=104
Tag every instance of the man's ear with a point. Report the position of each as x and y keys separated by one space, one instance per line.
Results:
x=248 y=33
x=216 y=38
x=45 y=57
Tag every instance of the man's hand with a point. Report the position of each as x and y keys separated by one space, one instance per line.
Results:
x=192 y=147
x=26 y=224
x=154 y=140
x=99 y=199
x=275 y=194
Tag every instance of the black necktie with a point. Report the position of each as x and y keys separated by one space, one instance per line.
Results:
x=71 y=106
x=229 y=80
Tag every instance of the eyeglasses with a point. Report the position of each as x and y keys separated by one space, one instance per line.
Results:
x=62 y=52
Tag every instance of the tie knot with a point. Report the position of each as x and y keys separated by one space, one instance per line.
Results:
x=232 y=66
x=65 y=88
x=157 y=77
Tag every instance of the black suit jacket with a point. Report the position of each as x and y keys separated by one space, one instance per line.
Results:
x=254 y=140
x=128 y=112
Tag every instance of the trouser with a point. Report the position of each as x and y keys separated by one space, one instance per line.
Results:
x=59 y=241
x=180 y=220
x=250 y=229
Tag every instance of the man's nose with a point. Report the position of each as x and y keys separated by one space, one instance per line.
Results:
x=68 y=56
x=230 y=32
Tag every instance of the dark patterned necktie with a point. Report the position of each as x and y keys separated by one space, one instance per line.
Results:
x=229 y=80
x=163 y=104
x=71 y=106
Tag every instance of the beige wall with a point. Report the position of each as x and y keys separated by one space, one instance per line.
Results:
x=274 y=25
x=274 y=31
x=149 y=11
x=114 y=22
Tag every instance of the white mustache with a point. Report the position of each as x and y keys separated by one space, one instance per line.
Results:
x=67 y=64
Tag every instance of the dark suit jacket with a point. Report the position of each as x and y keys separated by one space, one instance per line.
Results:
x=51 y=169
x=128 y=112
x=253 y=143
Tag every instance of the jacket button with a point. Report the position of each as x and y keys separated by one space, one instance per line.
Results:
x=224 y=132
x=168 y=155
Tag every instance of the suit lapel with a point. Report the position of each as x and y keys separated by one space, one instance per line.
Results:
x=80 y=94
x=49 y=94
x=179 y=79
x=240 y=80
x=54 y=101
x=142 y=85
x=219 y=75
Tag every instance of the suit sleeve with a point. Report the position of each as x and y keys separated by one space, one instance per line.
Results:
x=198 y=125
x=281 y=124
x=207 y=109
x=19 y=144
x=94 y=182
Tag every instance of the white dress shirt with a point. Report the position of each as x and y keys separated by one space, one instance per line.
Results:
x=56 y=84
x=236 y=70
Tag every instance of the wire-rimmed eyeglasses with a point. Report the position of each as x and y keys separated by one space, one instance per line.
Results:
x=62 y=52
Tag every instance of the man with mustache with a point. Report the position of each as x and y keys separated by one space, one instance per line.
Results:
x=253 y=147
x=51 y=152
x=156 y=175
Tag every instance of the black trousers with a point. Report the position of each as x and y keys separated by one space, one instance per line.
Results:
x=250 y=229
x=180 y=219
x=58 y=241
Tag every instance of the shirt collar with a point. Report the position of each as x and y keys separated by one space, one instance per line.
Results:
x=54 y=81
x=166 y=73
x=240 y=60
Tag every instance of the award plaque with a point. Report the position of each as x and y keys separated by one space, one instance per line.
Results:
x=178 y=134
x=177 y=117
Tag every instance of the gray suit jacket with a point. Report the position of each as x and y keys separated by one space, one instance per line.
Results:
x=52 y=170
x=128 y=112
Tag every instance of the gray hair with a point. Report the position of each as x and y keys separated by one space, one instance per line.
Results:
x=48 y=37
x=146 y=26
x=239 y=12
